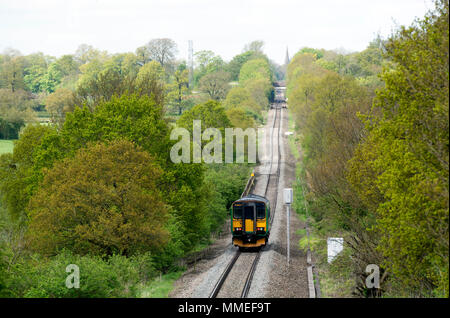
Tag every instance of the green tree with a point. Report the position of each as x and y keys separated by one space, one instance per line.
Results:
x=18 y=179
x=401 y=170
x=105 y=199
x=239 y=118
x=255 y=69
x=12 y=70
x=212 y=114
x=15 y=110
x=178 y=89
x=206 y=63
x=234 y=66
x=59 y=103
x=215 y=85
x=150 y=81
x=240 y=97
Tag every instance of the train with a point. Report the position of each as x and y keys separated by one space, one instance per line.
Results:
x=250 y=226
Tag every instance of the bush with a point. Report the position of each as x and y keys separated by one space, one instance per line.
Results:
x=116 y=276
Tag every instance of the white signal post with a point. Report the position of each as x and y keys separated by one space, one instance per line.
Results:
x=288 y=196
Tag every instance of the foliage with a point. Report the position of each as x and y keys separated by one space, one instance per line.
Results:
x=261 y=90
x=240 y=97
x=115 y=276
x=12 y=71
x=162 y=50
x=225 y=183
x=325 y=107
x=18 y=179
x=104 y=200
x=235 y=65
x=105 y=77
x=178 y=90
x=212 y=114
x=215 y=85
x=207 y=62
x=239 y=118
x=59 y=103
x=255 y=69
x=401 y=169
x=15 y=110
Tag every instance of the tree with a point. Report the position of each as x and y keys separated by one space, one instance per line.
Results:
x=178 y=89
x=143 y=55
x=215 y=84
x=150 y=81
x=162 y=50
x=206 y=63
x=59 y=103
x=18 y=179
x=255 y=46
x=12 y=71
x=87 y=53
x=34 y=70
x=51 y=79
x=100 y=80
x=15 y=111
x=140 y=119
x=239 y=118
x=261 y=91
x=254 y=69
x=69 y=69
x=212 y=114
x=401 y=170
x=203 y=58
x=234 y=67
x=240 y=97
x=104 y=200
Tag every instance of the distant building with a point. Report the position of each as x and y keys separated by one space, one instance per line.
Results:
x=287 y=59
x=286 y=63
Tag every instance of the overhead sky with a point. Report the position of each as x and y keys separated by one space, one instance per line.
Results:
x=57 y=27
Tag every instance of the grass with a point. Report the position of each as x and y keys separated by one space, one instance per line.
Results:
x=6 y=146
x=160 y=287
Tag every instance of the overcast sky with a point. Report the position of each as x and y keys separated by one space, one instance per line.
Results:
x=57 y=27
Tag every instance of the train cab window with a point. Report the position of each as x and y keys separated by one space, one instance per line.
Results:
x=260 y=211
x=237 y=212
x=248 y=212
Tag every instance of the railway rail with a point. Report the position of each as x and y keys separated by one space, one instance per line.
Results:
x=272 y=184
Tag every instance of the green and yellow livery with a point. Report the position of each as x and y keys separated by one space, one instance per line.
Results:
x=250 y=217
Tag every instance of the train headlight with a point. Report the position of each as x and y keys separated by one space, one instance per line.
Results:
x=260 y=229
x=238 y=229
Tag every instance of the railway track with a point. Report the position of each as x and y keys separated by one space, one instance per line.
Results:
x=271 y=186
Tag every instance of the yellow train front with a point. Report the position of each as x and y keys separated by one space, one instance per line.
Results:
x=250 y=217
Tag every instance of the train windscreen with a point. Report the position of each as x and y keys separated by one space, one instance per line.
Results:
x=260 y=210
x=237 y=211
x=248 y=212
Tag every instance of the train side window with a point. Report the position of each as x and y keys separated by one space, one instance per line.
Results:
x=237 y=212
x=260 y=211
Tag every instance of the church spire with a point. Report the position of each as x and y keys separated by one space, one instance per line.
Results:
x=287 y=60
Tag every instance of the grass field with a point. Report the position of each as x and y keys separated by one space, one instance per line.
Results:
x=6 y=146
